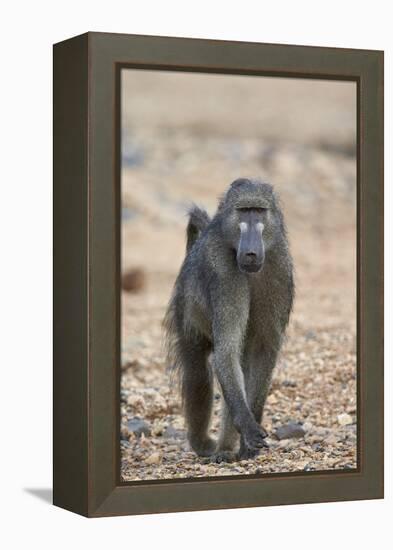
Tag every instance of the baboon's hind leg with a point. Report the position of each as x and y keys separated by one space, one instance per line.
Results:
x=228 y=438
x=197 y=390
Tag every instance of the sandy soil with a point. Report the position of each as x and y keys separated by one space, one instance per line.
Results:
x=182 y=142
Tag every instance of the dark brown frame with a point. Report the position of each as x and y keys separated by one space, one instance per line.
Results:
x=86 y=273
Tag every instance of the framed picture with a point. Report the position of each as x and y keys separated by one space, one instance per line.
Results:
x=218 y=274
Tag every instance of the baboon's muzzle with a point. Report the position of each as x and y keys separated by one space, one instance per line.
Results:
x=251 y=252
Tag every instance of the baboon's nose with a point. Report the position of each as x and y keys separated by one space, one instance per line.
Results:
x=251 y=255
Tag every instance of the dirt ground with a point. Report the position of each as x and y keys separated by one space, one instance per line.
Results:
x=185 y=138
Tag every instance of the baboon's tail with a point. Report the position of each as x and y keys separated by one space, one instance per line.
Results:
x=198 y=220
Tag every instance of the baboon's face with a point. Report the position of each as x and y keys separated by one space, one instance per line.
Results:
x=251 y=222
x=250 y=253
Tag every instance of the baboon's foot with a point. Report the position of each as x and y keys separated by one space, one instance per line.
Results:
x=204 y=448
x=221 y=456
x=253 y=438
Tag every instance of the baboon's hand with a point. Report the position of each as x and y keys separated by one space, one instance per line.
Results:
x=247 y=453
x=253 y=437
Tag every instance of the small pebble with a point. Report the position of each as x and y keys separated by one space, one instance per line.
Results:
x=344 y=419
x=155 y=458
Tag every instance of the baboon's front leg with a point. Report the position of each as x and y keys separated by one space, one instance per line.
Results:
x=258 y=379
x=258 y=373
x=231 y=307
x=230 y=376
x=197 y=390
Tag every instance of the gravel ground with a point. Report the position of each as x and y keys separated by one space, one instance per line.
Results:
x=171 y=161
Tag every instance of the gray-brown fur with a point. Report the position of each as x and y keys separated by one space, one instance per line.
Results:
x=232 y=301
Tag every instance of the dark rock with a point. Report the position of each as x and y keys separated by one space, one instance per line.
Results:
x=138 y=426
x=317 y=447
x=310 y=335
x=123 y=395
x=292 y=430
x=133 y=280
x=346 y=148
x=289 y=384
x=173 y=433
x=132 y=155
x=128 y=214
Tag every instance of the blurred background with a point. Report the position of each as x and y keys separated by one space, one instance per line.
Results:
x=185 y=137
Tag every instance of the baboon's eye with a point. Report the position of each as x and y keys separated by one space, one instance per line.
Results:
x=259 y=210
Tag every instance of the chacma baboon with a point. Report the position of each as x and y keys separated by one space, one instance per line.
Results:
x=232 y=299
